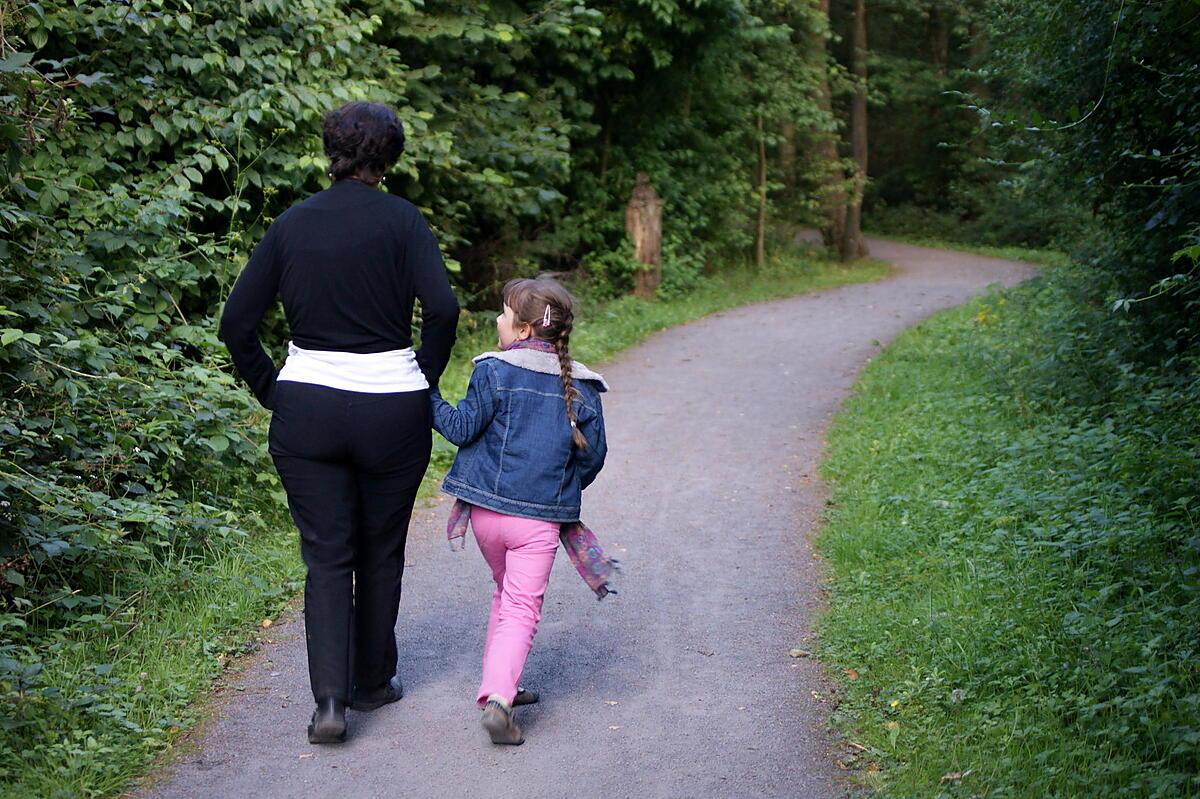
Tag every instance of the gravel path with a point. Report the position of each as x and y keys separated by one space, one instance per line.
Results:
x=681 y=686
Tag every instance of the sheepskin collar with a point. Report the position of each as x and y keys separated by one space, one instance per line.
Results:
x=544 y=362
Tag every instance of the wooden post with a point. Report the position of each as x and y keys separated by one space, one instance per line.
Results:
x=643 y=222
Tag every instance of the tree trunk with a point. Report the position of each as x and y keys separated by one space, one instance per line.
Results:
x=853 y=243
x=979 y=50
x=939 y=41
x=834 y=198
x=938 y=33
x=606 y=146
x=978 y=143
x=787 y=155
x=760 y=243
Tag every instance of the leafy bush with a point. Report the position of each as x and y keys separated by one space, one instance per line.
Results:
x=682 y=267
x=1102 y=94
x=992 y=212
x=126 y=212
x=610 y=274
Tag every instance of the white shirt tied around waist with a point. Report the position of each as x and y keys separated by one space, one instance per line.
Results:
x=389 y=372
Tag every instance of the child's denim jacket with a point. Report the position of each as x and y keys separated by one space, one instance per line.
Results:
x=516 y=455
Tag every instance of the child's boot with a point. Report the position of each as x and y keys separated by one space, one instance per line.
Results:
x=499 y=722
x=525 y=697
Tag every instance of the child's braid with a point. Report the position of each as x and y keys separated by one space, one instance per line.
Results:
x=570 y=393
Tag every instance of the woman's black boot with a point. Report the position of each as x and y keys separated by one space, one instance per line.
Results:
x=328 y=725
x=392 y=691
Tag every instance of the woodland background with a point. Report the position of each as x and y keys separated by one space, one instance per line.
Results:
x=147 y=144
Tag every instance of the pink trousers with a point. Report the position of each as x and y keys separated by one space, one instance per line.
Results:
x=521 y=554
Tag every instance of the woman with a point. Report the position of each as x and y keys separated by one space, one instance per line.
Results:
x=350 y=426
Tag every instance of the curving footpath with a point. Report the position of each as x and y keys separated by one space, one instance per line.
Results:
x=681 y=686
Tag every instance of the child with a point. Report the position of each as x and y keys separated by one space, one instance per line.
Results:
x=530 y=434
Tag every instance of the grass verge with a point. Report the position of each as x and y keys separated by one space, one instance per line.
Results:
x=1015 y=554
x=162 y=648
x=166 y=644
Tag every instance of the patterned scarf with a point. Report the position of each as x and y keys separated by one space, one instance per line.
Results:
x=532 y=343
x=578 y=540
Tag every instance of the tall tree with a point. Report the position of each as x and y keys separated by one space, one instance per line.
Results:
x=780 y=78
x=787 y=154
x=760 y=237
x=833 y=193
x=853 y=245
x=939 y=40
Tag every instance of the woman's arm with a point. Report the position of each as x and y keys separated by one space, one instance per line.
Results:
x=591 y=460
x=252 y=295
x=464 y=424
x=439 y=308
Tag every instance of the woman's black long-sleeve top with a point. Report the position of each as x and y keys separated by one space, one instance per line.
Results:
x=347 y=263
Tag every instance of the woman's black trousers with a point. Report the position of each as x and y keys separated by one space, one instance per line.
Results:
x=351 y=464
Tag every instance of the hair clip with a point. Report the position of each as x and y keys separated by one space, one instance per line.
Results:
x=546 y=316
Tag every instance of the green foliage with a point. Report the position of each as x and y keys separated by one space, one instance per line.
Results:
x=552 y=108
x=150 y=144
x=921 y=60
x=145 y=146
x=1081 y=135
x=688 y=121
x=1016 y=555
x=611 y=273
x=1116 y=116
x=992 y=210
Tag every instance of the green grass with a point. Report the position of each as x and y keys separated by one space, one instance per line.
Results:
x=160 y=650
x=165 y=647
x=1014 y=545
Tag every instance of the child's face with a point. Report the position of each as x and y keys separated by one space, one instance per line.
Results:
x=510 y=330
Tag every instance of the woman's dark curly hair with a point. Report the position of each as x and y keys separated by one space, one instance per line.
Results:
x=362 y=139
